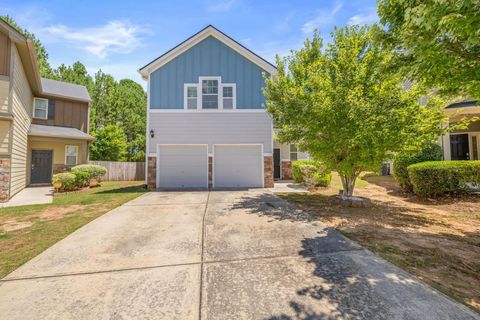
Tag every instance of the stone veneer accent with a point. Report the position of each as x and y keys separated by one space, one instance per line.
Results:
x=210 y=172
x=59 y=168
x=152 y=173
x=268 y=171
x=4 y=180
x=286 y=170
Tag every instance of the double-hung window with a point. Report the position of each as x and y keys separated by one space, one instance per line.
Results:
x=209 y=94
x=228 y=96
x=293 y=152
x=191 y=97
x=40 y=108
x=71 y=155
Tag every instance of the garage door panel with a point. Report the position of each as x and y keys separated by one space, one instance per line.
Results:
x=181 y=166
x=238 y=166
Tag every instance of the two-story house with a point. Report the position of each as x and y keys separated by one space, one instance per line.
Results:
x=207 y=126
x=43 y=123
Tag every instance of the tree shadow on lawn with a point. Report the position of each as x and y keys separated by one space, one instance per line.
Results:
x=128 y=189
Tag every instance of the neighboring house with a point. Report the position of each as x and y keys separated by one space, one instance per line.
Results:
x=462 y=144
x=207 y=126
x=283 y=155
x=43 y=123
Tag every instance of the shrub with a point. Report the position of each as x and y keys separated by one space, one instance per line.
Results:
x=82 y=179
x=66 y=179
x=96 y=172
x=429 y=152
x=434 y=178
x=322 y=179
x=297 y=174
x=315 y=176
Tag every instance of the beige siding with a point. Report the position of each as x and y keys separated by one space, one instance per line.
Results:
x=4 y=90
x=211 y=128
x=22 y=100
x=4 y=136
x=285 y=152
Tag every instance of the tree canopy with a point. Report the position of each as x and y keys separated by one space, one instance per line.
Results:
x=345 y=107
x=436 y=42
x=110 y=144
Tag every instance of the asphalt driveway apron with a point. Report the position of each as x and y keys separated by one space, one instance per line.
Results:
x=214 y=255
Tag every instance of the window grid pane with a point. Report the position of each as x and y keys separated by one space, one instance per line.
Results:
x=71 y=160
x=40 y=110
x=210 y=86
x=293 y=148
x=210 y=101
x=293 y=156
x=192 y=103
x=227 y=92
x=227 y=103
x=192 y=92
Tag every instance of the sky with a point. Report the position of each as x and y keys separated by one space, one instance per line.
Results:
x=119 y=37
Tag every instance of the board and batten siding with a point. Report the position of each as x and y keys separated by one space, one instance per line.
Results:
x=67 y=114
x=210 y=57
x=211 y=128
x=22 y=99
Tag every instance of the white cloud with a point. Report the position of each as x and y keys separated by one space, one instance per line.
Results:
x=323 y=18
x=118 y=36
x=221 y=6
x=369 y=16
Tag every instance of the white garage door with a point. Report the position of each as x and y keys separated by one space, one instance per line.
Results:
x=182 y=166
x=237 y=166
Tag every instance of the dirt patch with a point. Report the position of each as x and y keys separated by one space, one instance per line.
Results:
x=57 y=212
x=10 y=225
x=437 y=240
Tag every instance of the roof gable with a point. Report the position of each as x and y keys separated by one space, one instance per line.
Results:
x=199 y=37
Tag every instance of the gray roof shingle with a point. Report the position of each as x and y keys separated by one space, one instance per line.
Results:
x=64 y=90
x=58 y=132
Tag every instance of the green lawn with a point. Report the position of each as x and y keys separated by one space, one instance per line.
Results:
x=26 y=231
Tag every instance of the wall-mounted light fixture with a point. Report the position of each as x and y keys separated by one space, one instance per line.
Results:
x=152 y=133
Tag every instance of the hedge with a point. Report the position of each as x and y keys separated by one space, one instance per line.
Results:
x=67 y=181
x=429 y=152
x=434 y=178
x=95 y=171
x=82 y=179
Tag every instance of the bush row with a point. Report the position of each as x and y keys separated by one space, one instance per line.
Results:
x=429 y=152
x=434 y=178
x=80 y=176
x=311 y=173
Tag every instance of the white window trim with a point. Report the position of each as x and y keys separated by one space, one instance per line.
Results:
x=234 y=94
x=198 y=85
x=185 y=95
x=46 y=110
x=76 y=154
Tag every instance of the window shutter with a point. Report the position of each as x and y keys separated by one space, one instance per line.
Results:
x=51 y=109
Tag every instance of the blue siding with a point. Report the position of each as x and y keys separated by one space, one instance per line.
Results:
x=208 y=58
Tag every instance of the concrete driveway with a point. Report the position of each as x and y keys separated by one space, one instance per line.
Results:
x=214 y=255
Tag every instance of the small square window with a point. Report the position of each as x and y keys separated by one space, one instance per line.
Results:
x=40 y=110
x=71 y=154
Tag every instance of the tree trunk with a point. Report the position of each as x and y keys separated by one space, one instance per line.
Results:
x=348 y=183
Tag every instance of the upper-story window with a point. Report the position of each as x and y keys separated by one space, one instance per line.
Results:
x=209 y=94
x=40 y=108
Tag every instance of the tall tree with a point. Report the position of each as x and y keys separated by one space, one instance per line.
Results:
x=437 y=42
x=345 y=107
x=110 y=144
x=42 y=55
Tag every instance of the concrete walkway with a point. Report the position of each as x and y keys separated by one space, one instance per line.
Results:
x=214 y=255
x=30 y=195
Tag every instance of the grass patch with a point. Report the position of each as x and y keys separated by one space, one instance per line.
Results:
x=26 y=231
x=438 y=241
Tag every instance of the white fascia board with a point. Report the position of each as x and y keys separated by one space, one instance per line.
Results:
x=209 y=31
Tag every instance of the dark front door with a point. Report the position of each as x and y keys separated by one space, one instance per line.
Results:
x=459 y=147
x=276 y=163
x=41 y=166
